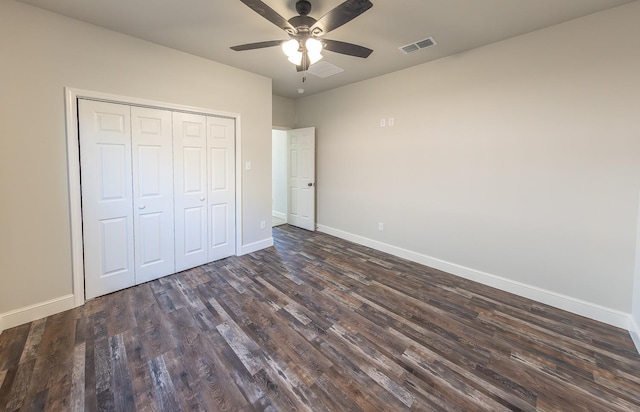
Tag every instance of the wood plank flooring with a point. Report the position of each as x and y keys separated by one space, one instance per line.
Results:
x=316 y=324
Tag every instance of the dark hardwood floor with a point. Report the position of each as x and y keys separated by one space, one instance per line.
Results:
x=319 y=324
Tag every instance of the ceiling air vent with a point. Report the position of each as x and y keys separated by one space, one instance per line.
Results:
x=419 y=45
x=324 y=69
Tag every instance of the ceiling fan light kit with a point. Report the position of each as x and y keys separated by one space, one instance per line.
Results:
x=314 y=47
x=295 y=51
x=305 y=46
x=292 y=49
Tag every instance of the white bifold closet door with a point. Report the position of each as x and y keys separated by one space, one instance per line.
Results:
x=221 y=192
x=158 y=192
x=127 y=195
x=204 y=177
x=107 y=196
x=190 y=177
x=152 y=152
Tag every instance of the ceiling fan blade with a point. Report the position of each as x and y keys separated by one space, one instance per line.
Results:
x=268 y=13
x=259 y=45
x=346 y=48
x=340 y=15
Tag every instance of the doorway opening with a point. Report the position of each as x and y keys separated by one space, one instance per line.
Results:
x=294 y=177
x=279 y=191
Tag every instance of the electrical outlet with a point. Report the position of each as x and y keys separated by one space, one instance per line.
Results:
x=263 y=225
x=391 y=121
x=380 y=226
x=247 y=166
x=382 y=122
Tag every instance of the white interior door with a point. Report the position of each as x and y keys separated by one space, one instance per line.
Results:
x=107 y=213
x=152 y=151
x=222 y=195
x=302 y=178
x=190 y=189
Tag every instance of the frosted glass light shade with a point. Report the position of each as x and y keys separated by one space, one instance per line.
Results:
x=296 y=59
x=292 y=49
x=314 y=47
x=313 y=58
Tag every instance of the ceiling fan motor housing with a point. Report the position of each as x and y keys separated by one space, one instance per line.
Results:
x=303 y=21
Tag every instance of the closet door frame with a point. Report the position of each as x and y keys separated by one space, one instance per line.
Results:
x=73 y=164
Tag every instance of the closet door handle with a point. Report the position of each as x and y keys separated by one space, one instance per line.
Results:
x=202 y=199
x=141 y=207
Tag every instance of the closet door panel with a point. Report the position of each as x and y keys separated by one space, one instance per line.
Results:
x=152 y=147
x=190 y=189
x=194 y=219
x=221 y=187
x=107 y=204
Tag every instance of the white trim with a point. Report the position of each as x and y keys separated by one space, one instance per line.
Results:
x=580 y=307
x=239 y=220
x=634 y=321
x=634 y=331
x=73 y=170
x=279 y=215
x=255 y=246
x=156 y=104
x=39 y=310
x=75 y=199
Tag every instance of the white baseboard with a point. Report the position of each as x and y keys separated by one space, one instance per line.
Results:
x=254 y=247
x=580 y=307
x=634 y=331
x=33 y=312
x=279 y=215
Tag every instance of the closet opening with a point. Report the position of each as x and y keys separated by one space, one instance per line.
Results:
x=155 y=185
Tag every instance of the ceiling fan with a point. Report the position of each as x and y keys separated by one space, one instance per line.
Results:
x=305 y=46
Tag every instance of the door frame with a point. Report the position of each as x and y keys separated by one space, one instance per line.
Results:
x=73 y=167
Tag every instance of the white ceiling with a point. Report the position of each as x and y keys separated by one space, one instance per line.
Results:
x=207 y=28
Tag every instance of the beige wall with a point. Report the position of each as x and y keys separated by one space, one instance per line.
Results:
x=40 y=54
x=284 y=112
x=519 y=160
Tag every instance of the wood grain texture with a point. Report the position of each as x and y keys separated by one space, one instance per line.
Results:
x=316 y=324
